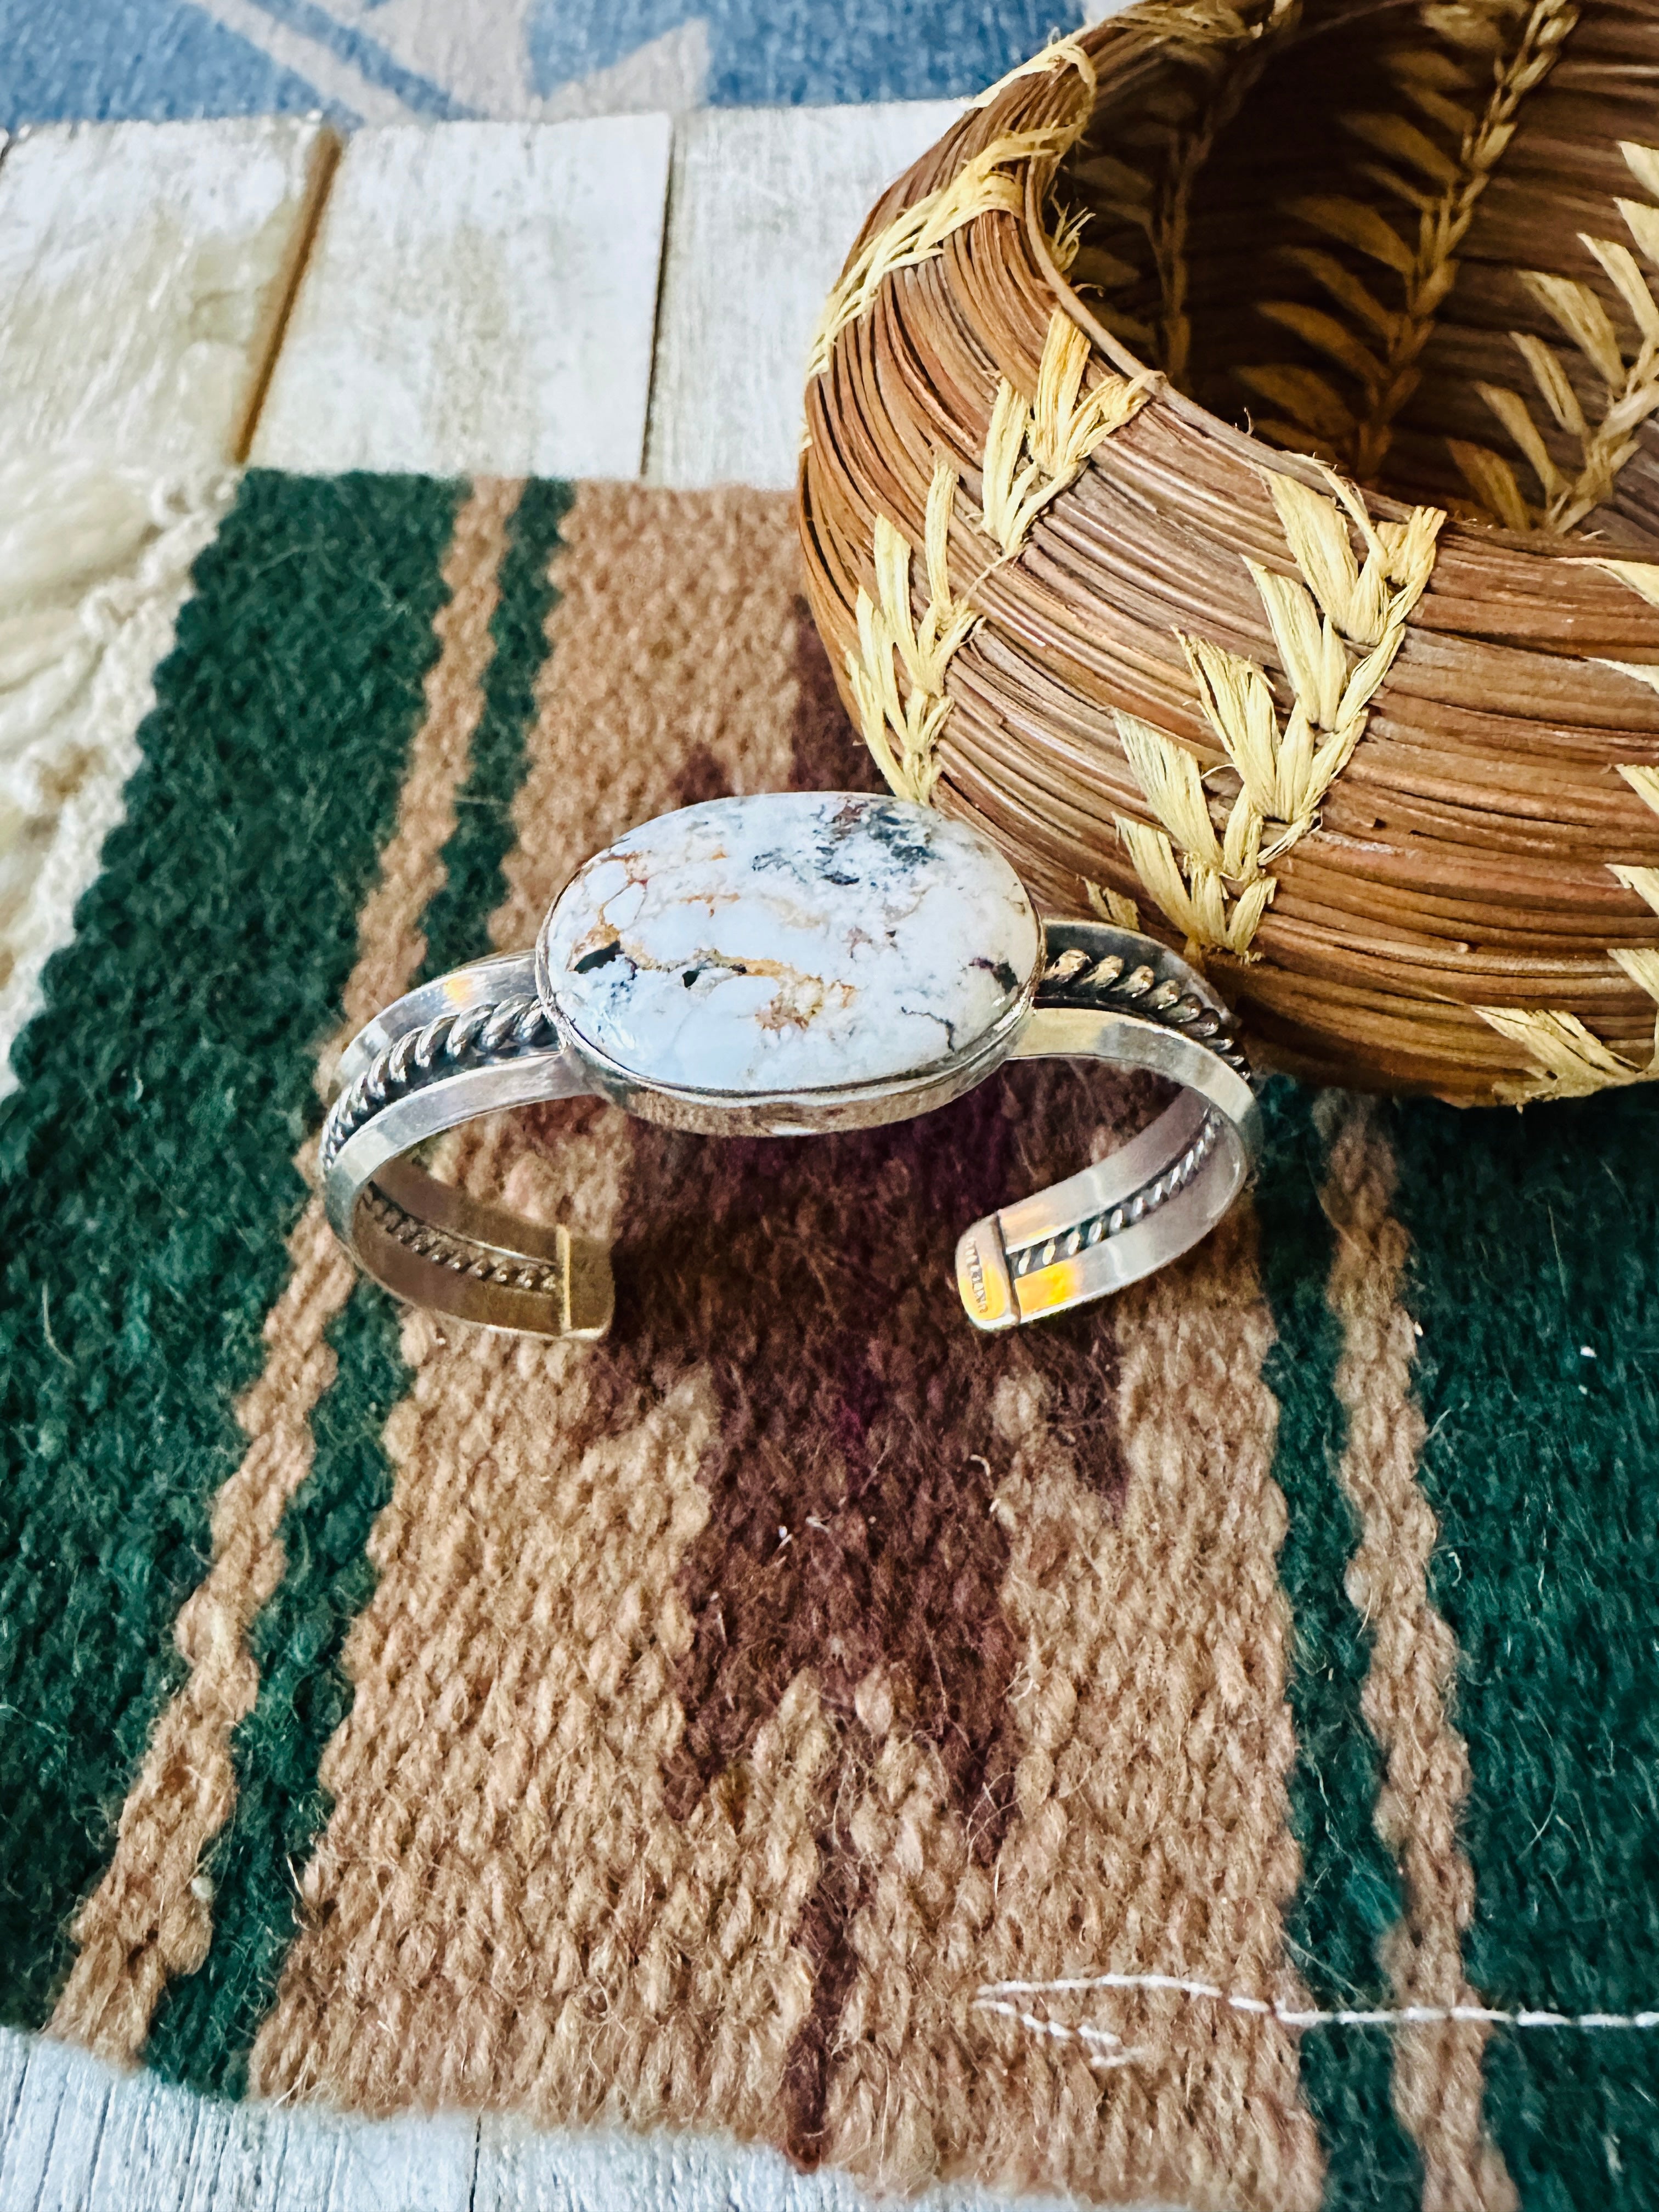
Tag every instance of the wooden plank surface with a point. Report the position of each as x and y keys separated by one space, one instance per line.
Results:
x=604 y=2170
x=144 y=269
x=53 y=2144
x=13 y=2065
x=85 y=2139
x=480 y=300
x=79 y=2137
x=764 y=204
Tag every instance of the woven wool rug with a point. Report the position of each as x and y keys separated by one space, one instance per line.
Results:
x=1012 y=1759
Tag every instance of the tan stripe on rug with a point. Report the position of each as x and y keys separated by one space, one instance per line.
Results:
x=1151 y=1836
x=1438 y=2083
x=150 y=1916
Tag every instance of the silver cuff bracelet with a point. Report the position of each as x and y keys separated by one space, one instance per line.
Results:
x=785 y=965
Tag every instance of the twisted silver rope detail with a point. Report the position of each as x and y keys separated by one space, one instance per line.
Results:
x=1112 y=1219
x=473 y=1039
x=1073 y=976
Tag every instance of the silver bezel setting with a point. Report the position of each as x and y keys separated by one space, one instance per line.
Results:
x=865 y=1105
x=495 y=1035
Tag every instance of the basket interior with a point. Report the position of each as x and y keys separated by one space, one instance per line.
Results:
x=1421 y=242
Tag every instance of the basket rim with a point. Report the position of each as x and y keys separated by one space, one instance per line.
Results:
x=1016 y=100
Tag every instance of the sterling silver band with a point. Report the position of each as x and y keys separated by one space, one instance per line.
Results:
x=473 y=1042
x=1109 y=994
x=483 y=1037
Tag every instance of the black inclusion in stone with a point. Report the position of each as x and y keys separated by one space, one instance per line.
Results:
x=896 y=832
x=1001 y=973
x=601 y=957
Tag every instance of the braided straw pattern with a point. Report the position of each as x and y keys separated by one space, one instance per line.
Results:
x=1573 y=1063
x=1225 y=48
x=1629 y=376
x=918 y=234
x=906 y=702
x=1034 y=449
x=1313 y=715
x=1337 y=630
x=1567 y=1060
x=1441 y=190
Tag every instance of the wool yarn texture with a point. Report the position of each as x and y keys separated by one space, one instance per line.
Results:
x=1204 y=1751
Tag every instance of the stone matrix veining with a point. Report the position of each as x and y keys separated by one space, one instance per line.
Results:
x=791 y=941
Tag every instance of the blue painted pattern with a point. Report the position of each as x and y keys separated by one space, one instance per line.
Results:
x=781 y=52
x=375 y=59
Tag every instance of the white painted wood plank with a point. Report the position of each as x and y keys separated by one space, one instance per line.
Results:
x=165 y=2150
x=155 y=2139
x=573 y=2170
x=417 y=2164
x=14 y=2064
x=764 y=205
x=52 y=2143
x=597 y=2170
x=83 y=2138
x=144 y=269
x=480 y=299
x=270 y=2159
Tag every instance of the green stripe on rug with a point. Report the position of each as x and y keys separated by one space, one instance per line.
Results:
x=474 y=886
x=204 y=2026
x=147 y=1177
x=1350 y=1894
x=1534 y=1281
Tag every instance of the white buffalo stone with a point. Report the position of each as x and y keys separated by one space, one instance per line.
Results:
x=795 y=941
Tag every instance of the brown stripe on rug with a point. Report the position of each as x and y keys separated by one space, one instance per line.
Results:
x=1148 y=1827
x=150 y=1916
x=1438 y=2079
x=851 y=1540
x=690 y=1707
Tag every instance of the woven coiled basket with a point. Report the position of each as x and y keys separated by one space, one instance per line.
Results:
x=1361 y=708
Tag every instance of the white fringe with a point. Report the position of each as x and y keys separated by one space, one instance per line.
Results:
x=94 y=565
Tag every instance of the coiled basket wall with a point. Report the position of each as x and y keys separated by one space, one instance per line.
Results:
x=1232 y=479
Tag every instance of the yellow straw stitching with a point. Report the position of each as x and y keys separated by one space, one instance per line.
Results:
x=1571 y=1060
x=1442 y=191
x=897 y=675
x=1111 y=906
x=1573 y=1063
x=1629 y=376
x=1058 y=54
x=916 y=235
x=1337 y=630
x=1034 y=449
